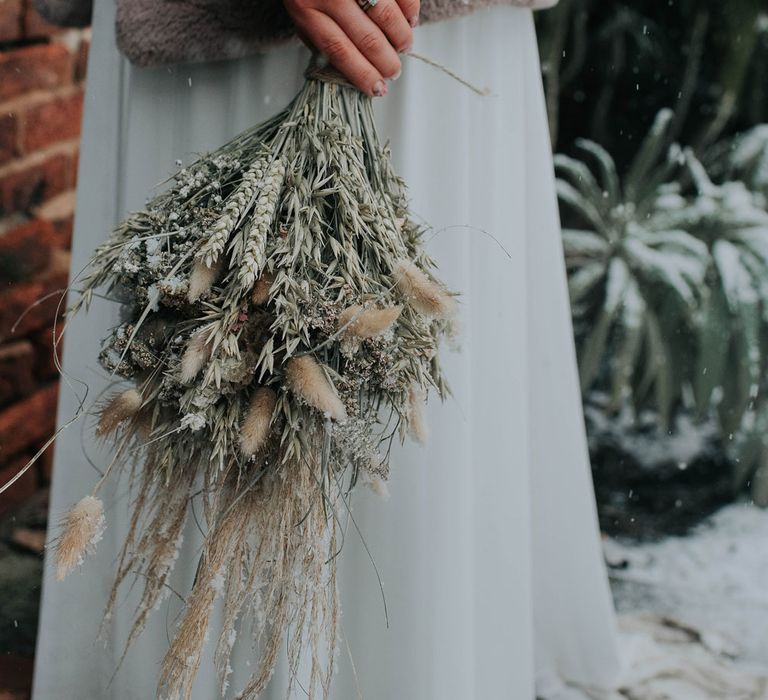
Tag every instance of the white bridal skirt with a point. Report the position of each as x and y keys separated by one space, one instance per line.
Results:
x=488 y=549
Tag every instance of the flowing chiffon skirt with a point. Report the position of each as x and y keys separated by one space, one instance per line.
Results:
x=488 y=549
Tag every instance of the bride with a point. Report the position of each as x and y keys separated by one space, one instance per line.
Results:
x=487 y=550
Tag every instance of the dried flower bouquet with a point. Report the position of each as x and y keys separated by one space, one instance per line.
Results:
x=280 y=329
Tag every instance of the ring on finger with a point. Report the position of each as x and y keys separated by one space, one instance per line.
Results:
x=366 y=5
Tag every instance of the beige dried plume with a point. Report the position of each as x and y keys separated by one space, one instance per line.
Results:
x=203 y=278
x=417 y=428
x=82 y=528
x=358 y=322
x=196 y=355
x=258 y=420
x=260 y=293
x=422 y=293
x=307 y=379
x=119 y=408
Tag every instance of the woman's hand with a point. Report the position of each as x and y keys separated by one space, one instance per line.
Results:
x=363 y=45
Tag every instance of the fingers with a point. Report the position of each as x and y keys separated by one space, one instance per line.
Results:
x=368 y=38
x=389 y=17
x=410 y=10
x=332 y=41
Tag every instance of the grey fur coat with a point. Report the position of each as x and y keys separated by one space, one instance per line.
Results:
x=154 y=32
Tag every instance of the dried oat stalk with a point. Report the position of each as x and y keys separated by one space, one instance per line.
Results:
x=281 y=327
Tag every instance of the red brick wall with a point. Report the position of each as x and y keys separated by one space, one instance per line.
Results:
x=41 y=100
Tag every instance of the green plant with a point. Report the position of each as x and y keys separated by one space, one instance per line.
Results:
x=669 y=285
x=636 y=278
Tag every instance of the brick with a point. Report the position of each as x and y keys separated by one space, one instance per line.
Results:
x=22 y=489
x=17 y=370
x=60 y=212
x=31 y=306
x=9 y=136
x=63 y=229
x=28 y=423
x=50 y=122
x=44 y=367
x=10 y=20
x=29 y=184
x=38 y=67
x=81 y=60
x=45 y=467
x=34 y=26
x=25 y=250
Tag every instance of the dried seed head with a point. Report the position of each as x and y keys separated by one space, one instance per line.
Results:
x=307 y=379
x=196 y=355
x=422 y=293
x=119 y=408
x=377 y=485
x=258 y=228
x=235 y=208
x=260 y=293
x=358 y=322
x=203 y=278
x=82 y=528
x=417 y=428
x=258 y=420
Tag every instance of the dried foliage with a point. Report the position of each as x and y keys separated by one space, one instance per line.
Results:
x=280 y=317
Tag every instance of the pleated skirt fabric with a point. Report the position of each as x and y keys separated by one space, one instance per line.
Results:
x=488 y=550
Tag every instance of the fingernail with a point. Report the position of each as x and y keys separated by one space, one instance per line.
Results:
x=380 y=89
x=413 y=21
x=397 y=75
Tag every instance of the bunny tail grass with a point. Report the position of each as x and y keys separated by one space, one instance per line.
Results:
x=356 y=321
x=424 y=295
x=258 y=420
x=260 y=293
x=196 y=355
x=119 y=408
x=416 y=424
x=307 y=379
x=203 y=278
x=82 y=528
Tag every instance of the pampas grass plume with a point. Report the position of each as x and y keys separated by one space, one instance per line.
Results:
x=307 y=379
x=258 y=420
x=119 y=408
x=359 y=322
x=202 y=278
x=82 y=528
x=196 y=355
x=260 y=293
x=425 y=295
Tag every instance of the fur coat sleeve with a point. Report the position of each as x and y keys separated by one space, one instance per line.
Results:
x=156 y=32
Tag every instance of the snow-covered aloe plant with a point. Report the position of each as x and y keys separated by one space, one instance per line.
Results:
x=668 y=274
x=635 y=276
x=730 y=217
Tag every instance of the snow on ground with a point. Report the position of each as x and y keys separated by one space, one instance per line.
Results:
x=694 y=611
x=715 y=580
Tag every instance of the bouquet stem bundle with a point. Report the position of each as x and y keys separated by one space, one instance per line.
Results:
x=280 y=329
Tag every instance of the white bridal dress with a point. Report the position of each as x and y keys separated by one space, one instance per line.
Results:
x=488 y=548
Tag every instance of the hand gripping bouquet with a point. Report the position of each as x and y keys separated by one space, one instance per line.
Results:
x=280 y=329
